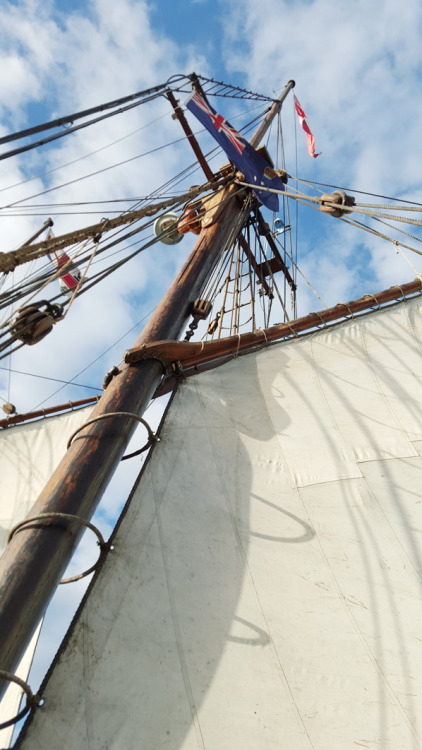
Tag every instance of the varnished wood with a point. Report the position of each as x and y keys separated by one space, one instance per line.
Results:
x=35 y=558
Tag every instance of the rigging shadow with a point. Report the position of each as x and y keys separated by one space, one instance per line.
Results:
x=171 y=628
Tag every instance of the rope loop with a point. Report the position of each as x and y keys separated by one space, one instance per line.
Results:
x=104 y=546
x=262 y=330
x=238 y=347
x=402 y=292
x=347 y=306
x=291 y=329
x=323 y=322
x=31 y=699
x=151 y=437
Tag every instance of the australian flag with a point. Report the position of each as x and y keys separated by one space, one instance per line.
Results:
x=256 y=170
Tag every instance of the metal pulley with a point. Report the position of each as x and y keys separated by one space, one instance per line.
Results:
x=213 y=325
x=201 y=308
x=339 y=198
x=32 y=324
x=165 y=228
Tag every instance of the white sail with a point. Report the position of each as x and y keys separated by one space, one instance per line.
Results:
x=265 y=587
x=29 y=453
x=9 y=705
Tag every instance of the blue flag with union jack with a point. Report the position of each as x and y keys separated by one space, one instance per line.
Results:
x=256 y=170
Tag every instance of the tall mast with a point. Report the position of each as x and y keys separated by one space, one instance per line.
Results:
x=37 y=555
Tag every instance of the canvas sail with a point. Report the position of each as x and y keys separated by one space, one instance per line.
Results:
x=29 y=453
x=265 y=586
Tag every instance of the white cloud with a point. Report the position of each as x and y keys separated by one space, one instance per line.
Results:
x=355 y=65
x=78 y=60
x=357 y=69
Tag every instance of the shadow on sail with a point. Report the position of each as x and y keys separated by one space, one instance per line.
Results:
x=264 y=589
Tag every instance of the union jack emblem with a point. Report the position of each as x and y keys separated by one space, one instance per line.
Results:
x=241 y=153
x=221 y=124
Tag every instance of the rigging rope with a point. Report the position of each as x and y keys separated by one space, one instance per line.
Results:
x=310 y=285
x=92 y=174
x=356 y=208
x=62 y=134
x=214 y=88
x=81 y=280
x=14 y=258
x=55 y=380
x=415 y=270
x=316 y=202
x=60 y=121
x=85 y=156
x=354 y=190
x=118 y=106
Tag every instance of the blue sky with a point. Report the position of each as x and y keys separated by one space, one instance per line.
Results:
x=357 y=68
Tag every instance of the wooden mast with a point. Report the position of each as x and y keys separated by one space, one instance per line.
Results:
x=37 y=555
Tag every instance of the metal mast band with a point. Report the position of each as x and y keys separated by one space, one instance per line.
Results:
x=31 y=699
x=104 y=546
x=151 y=437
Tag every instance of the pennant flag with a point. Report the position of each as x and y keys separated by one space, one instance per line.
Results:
x=256 y=170
x=303 y=121
x=72 y=275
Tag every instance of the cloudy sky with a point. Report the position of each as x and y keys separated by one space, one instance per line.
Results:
x=357 y=68
x=357 y=72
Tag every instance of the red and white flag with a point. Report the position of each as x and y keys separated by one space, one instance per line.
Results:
x=303 y=121
x=71 y=277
